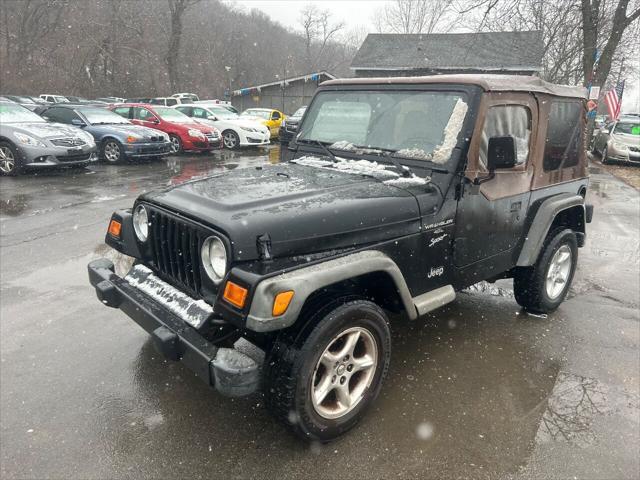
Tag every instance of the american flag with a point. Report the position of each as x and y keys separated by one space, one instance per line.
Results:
x=613 y=100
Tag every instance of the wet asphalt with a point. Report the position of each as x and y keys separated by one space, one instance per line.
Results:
x=478 y=389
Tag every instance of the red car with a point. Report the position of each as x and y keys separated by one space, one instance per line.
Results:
x=185 y=133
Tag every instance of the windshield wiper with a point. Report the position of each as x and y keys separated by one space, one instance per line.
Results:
x=324 y=148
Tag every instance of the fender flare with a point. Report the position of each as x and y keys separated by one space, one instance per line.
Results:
x=544 y=217
x=305 y=281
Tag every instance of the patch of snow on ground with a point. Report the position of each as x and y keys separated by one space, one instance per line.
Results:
x=194 y=312
x=443 y=152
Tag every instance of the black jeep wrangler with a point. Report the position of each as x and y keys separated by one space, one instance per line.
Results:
x=400 y=192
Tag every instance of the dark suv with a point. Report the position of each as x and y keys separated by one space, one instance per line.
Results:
x=401 y=193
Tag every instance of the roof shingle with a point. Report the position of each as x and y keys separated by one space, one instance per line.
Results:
x=451 y=51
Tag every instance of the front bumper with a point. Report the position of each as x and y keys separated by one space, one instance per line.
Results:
x=231 y=372
x=622 y=155
x=199 y=144
x=248 y=139
x=43 y=157
x=152 y=149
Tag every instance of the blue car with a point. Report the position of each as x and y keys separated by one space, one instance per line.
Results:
x=116 y=137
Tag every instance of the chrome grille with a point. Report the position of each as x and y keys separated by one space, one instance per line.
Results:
x=68 y=142
x=175 y=245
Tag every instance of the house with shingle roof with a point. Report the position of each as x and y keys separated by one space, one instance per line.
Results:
x=392 y=55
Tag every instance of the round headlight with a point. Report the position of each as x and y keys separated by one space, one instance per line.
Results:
x=214 y=258
x=141 y=223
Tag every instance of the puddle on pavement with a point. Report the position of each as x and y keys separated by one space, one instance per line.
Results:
x=574 y=405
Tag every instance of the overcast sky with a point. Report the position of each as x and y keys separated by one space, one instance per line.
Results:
x=359 y=14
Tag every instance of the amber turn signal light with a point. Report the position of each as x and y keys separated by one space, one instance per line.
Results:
x=281 y=303
x=115 y=227
x=235 y=294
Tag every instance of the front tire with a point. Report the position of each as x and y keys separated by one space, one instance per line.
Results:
x=176 y=144
x=111 y=151
x=544 y=286
x=230 y=139
x=320 y=380
x=9 y=159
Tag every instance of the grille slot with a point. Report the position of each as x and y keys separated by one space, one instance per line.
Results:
x=175 y=246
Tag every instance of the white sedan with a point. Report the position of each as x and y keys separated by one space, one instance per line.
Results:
x=236 y=131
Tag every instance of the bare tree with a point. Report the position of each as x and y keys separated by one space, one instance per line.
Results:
x=604 y=24
x=177 y=9
x=412 y=16
x=318 y=31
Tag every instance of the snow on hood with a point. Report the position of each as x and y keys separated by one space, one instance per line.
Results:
x=363 y=167
x=48 y=130
x=442 y=152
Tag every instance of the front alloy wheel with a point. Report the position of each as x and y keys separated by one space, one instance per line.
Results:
x=230 y=139
x=176 y=144
x=343 y=372
x=8 y=156
x=111 y=151
x=322 y=374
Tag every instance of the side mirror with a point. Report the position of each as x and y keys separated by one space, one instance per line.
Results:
x=77 y=122
x=212 y=118
x=501 y=153
x=155 y=120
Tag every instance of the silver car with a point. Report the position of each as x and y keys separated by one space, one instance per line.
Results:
x=619 y=141
x=28 y=141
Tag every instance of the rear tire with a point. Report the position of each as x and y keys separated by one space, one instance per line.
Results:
x=10 y=164
x=320 y=379
x=544 y=286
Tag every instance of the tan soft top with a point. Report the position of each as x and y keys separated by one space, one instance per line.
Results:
x=488 y=82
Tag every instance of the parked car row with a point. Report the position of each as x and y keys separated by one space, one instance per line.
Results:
x=114 y=129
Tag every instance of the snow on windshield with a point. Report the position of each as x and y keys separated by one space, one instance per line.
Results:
x=363 y=167
x=442 y=152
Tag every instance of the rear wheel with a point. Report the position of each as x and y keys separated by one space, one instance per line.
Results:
x=112 y=151
x=9 y=161
x=176 y=144
x=230 y=139
x=320 y=381
x=544 y=286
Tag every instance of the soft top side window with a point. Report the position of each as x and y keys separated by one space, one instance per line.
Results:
x=511 y=120
x=564 y=135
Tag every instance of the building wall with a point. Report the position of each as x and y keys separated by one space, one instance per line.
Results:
x=363 y=73
x=287 y=99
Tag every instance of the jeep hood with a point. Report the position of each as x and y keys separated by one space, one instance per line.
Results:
x=303 y=209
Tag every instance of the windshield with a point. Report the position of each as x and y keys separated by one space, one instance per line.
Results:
x=222 y=112
x=266 y=114
x=100 y=115
x=421 y=125
x=298 y=113
x=628 y=128
x=172 y=115
x=14 y=113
